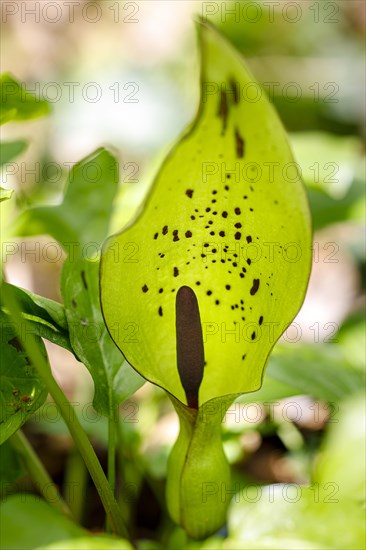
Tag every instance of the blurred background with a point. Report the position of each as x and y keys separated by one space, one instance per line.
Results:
x=125 y=75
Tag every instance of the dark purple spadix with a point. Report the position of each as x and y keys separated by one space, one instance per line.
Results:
x=190 y=352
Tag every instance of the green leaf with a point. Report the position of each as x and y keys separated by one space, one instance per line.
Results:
x=200 y=225
x=11 y=468
x=333 y=170
x=40 y=524
x=208 y=544
x=113 y=377
x=295 y=517
x=342 y=460
x=6 y=115
x=17 y=103
x=327 y=161
x=352 y=339
x=5 y=194
x=319 y=371
x=327 y=210
x=298 y=517
x=83 y=217
x=11 y=149
x=316 y=370
x=22 y=392
x=45 y=316
x=89 y=543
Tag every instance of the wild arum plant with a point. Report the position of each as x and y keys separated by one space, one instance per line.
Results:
x=203 y=307
x=211 y=206
x=189 y=341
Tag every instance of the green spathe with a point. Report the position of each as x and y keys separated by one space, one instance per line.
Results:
x=198 y=480
x=227 y=217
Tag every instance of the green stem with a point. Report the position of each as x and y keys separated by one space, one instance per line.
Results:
x=68 y=414
x=111 y=455
x=75 y=484
x=123 y=459
x=112 y=441
x=38 y=473
x=112 y=452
